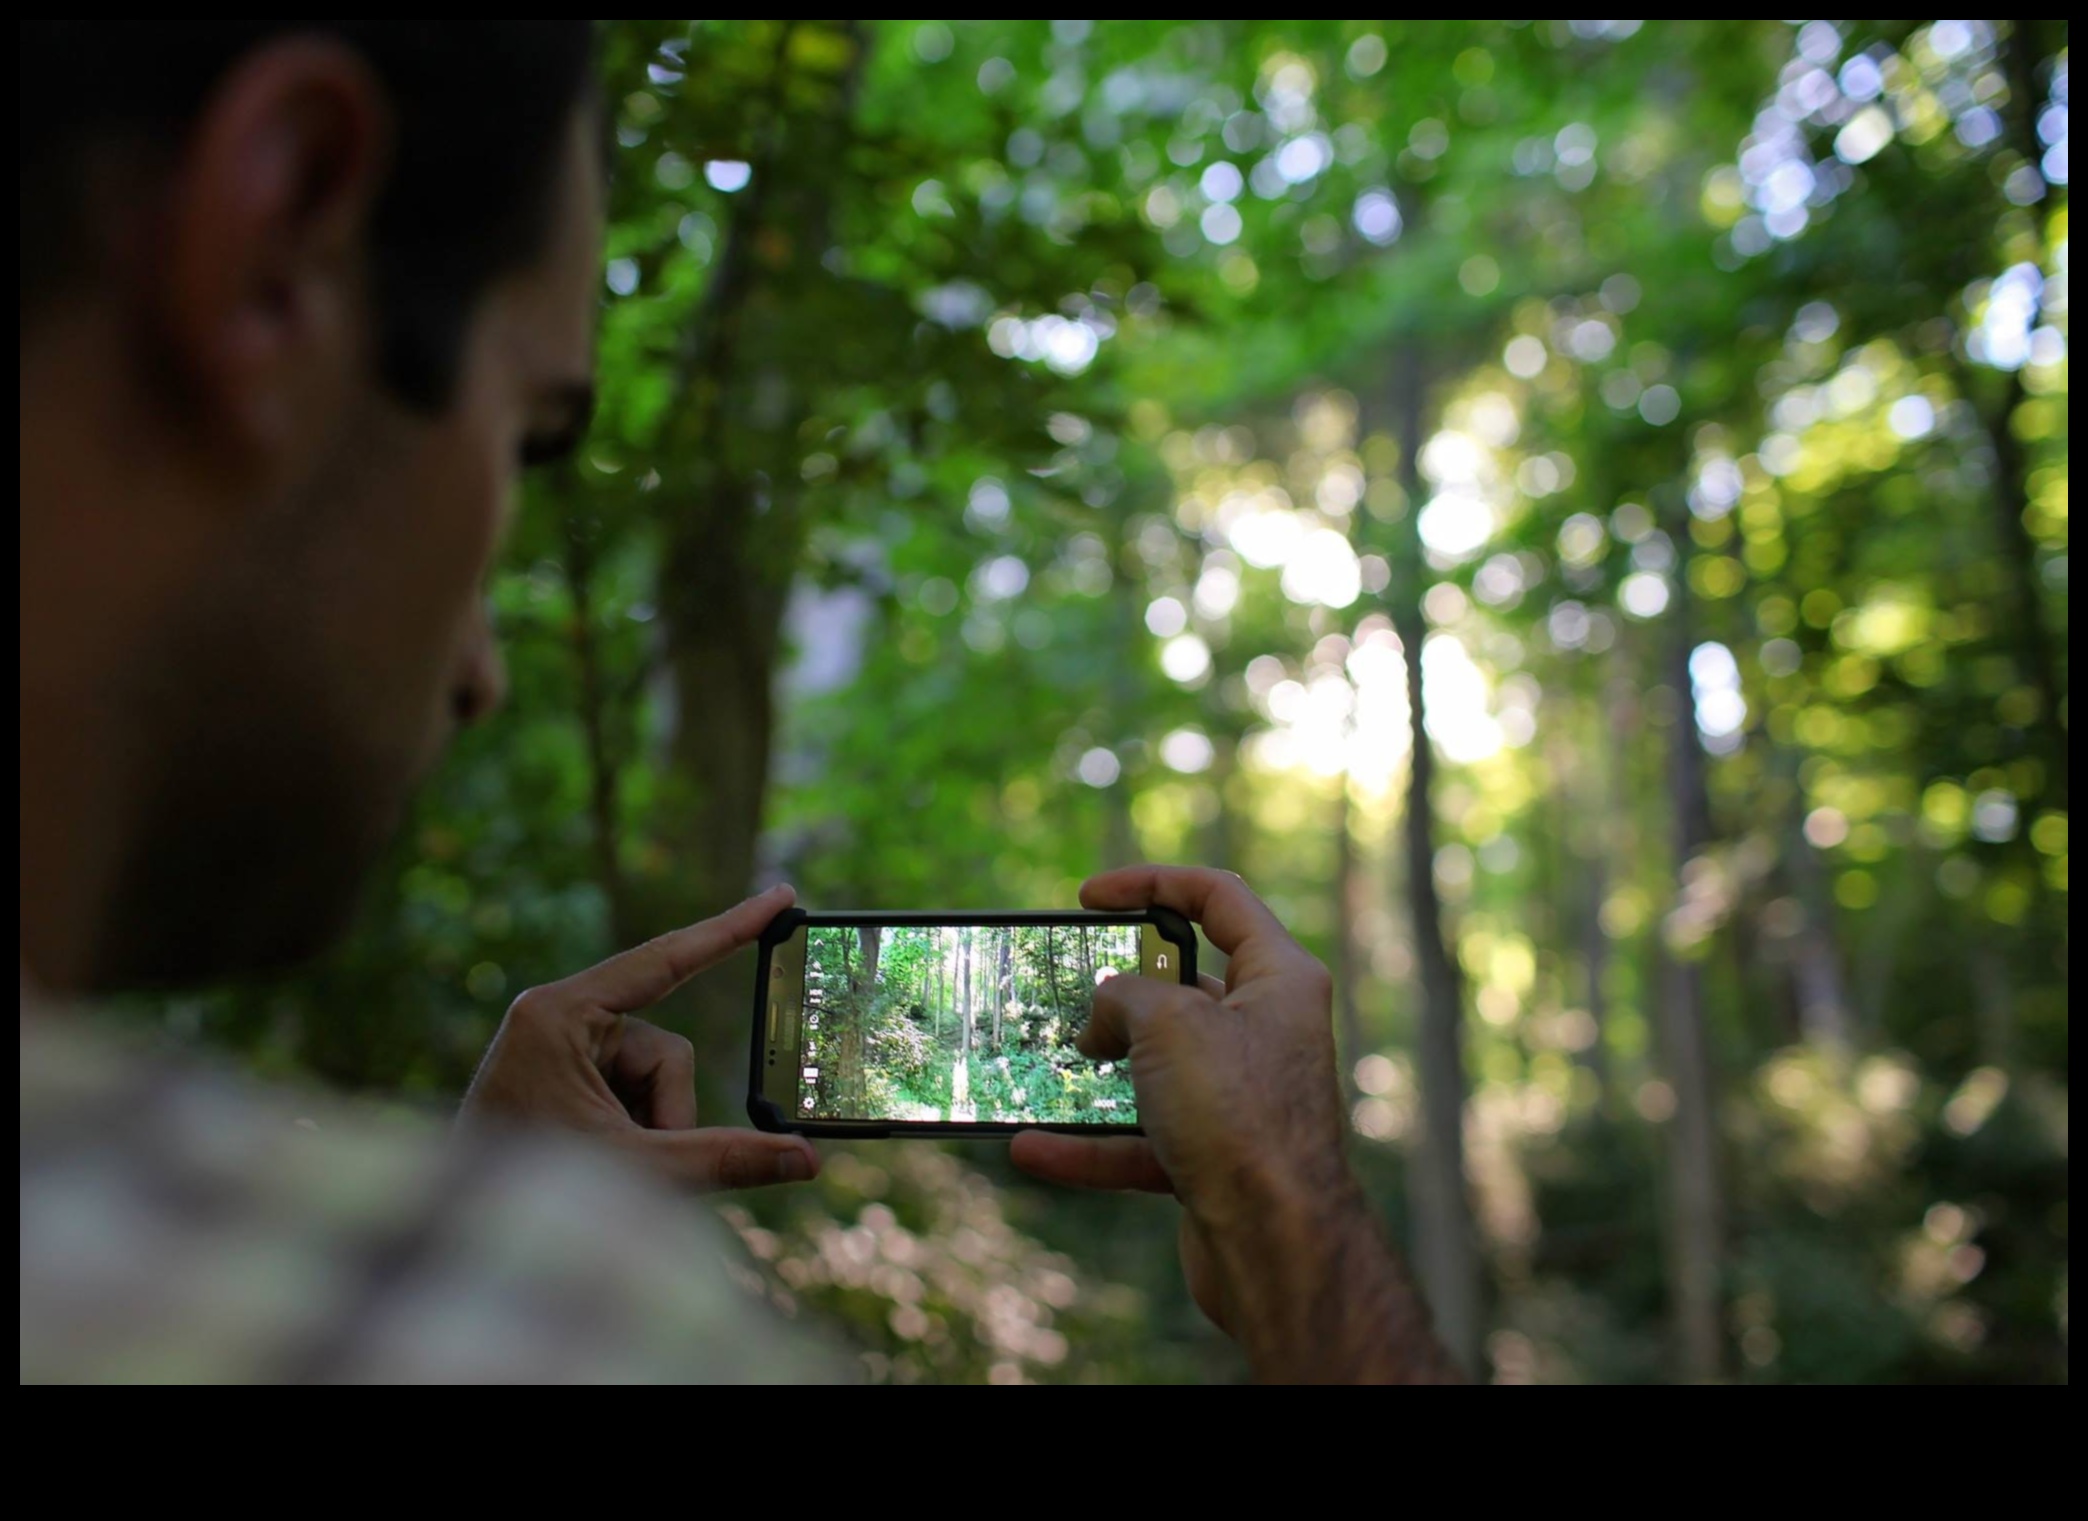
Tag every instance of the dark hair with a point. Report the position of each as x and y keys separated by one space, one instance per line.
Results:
x=480 y=110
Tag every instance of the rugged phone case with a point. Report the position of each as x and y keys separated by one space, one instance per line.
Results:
x=766 y=1115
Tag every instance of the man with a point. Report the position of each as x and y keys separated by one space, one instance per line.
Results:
x=279 y=372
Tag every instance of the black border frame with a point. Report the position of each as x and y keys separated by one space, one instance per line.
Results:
x=1173 y=927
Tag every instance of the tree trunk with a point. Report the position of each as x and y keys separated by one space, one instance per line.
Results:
x=1695 y=1218
x=841 y=1035
x=1905 y=895
x=1348 y=889
x=1122 y=660
x=1816 y=975
x=1446 y=1249
x=1602 y=798
x=724 y=620
x=1004 y=985
x=1993 y=993
x=1221 y=834
x=734 y=529
x=863 y=991
x=594 y=721
x=2021 y=53
x=1021 y=996
x=1051 y=973
x=964 y=975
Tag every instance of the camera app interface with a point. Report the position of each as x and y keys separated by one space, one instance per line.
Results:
x=965 y=1023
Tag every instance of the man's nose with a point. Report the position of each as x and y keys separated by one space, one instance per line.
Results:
x=482 y=679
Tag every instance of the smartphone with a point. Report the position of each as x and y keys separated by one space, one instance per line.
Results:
x=962 y=1024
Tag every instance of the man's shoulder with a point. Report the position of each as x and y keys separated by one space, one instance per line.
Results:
x=181 y=1224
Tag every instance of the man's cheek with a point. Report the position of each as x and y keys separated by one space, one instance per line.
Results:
x=443 y=544
x=471 y=516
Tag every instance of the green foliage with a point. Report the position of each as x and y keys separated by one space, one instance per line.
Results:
x=1006 y=474
x=961 y=1023
x=1045 y=1086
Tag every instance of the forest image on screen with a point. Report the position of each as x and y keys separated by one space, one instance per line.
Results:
x=960 y=1023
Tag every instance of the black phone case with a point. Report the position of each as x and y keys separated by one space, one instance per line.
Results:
x=1173 y=928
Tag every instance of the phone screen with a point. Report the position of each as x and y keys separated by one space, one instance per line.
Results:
x=960 y=1023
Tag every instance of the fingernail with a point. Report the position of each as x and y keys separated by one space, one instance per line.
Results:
x=794 y=1167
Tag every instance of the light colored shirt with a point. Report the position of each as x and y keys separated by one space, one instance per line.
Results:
x=182 y=1225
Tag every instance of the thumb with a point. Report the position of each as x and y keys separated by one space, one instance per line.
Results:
x=718 y=1158
x=1125 y=1008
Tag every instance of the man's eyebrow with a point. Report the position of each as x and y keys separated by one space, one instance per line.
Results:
x=573 y=403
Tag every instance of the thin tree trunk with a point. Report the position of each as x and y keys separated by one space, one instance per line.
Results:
x=1446 y=1248
x=1026 y=989
x=1602 y=801
x=1221 y=834
x=1560 y=887
x=1695 y=1221
x=1052 y=975
x=1348 y=891
x=1003 y=985
x=1119 y=839
x=1993 y=993
x=1348 y=888
x=1823 y=1004
x=594 y=722
x=839 y=1082
x=2021 y=52
x=965 y=957
x=1898 y=909
x=870 y=937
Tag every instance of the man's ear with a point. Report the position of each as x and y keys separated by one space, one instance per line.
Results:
x=258 y=285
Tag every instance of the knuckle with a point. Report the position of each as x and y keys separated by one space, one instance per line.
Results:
x=1168 y=1018
x=532 y=1010
x=736 y=1167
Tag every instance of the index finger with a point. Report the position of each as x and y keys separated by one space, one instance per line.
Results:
x=645 y=974
x=1234 y=920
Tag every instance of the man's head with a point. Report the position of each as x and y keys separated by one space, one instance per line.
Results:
x=298 y=300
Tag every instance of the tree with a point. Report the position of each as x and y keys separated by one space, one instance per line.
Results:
x=966 y=1020
x=862 y=1003
x=1005 y=463
x=1004 y=987
x=1058 y=1004
x=1447 y=1256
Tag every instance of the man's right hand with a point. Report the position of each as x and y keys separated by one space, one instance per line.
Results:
x=1238 y=1095
x=573 y=1055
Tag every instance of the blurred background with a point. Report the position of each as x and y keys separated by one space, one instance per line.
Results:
x=1574 y=512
